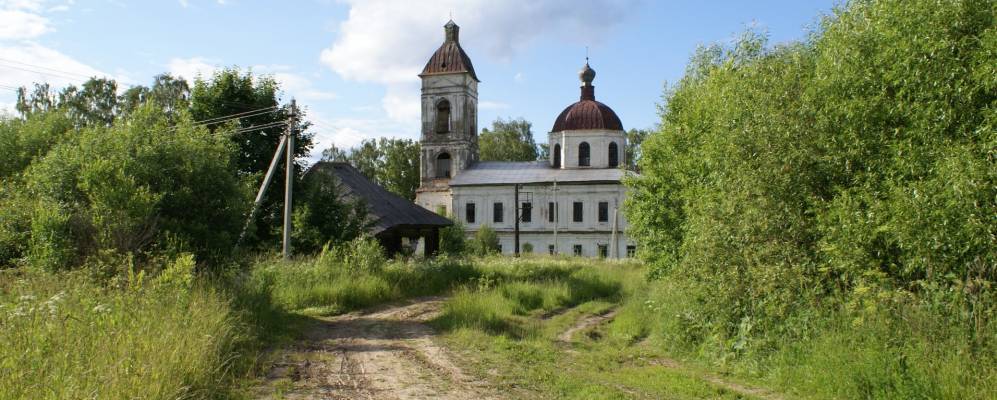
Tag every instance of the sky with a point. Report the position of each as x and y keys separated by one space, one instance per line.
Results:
x=353 y=64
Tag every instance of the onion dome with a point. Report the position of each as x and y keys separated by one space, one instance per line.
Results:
x=450 y=57
x=587 y=113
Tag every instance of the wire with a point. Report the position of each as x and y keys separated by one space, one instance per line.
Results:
x=41 y=67
x=243 y=114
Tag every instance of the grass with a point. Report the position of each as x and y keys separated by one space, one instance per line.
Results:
x=506 y=328
x=66 y=337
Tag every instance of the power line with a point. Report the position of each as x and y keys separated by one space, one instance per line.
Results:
x=46 y=68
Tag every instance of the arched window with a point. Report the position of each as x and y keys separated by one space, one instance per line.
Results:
x=443 y=116
x=614 y=155
x=584 y=155
x=443 y=165
x=557 y=155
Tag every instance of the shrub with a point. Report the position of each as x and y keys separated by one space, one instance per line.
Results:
x=134 y=187
x=485 y=241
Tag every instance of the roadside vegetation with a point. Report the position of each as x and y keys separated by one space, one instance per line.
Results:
x=823 y=214
x=818 y=219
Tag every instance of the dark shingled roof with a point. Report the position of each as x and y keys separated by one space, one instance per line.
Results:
x=387 y=210
x=450 y=57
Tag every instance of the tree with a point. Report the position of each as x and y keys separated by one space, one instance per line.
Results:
x=508 y=140
x=323 y=215
x=390 y=162
x=230 y=92
x=635 y=138
x=861 y=159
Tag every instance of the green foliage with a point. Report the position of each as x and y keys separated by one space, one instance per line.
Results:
x=330 y=284
x=133 y=187
x=485 y=241
x=390 y=162
x=508 y=140
x=66 y=337
x=323 y=215
x=23 y=141
x=791 y=181
x=453 y=241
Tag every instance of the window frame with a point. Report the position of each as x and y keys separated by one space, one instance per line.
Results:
x=603 y=211
x=526 y=212
x=498 y=212
x=470 y=213
x=578 y=212
x=584 y=154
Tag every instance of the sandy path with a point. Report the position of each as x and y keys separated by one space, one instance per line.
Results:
x=385 y=354
x=586 y=323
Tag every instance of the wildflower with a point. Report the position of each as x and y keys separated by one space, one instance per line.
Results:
x=26 y=298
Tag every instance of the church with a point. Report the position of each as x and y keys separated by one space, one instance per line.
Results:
x=568 y=204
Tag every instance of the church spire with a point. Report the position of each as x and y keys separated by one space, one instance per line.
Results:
x=452 y=31
x=587 y=75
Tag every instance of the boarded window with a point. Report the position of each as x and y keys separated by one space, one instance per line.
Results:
x=469 y=213
x=614 y=155
x=577 y=212
x=443 y=116
x=584 y=155
x=443 y=165
x=497 y=213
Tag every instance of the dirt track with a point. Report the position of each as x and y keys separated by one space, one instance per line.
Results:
x=387 y=353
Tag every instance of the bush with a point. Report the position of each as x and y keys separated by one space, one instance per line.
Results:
x=452 y=239
x=485 y=241
x=132 y=188
x=784 y=178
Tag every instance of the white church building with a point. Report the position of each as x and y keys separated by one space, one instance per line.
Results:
x=568 y=204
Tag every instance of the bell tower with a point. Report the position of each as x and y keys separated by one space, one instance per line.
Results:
x=449 y=121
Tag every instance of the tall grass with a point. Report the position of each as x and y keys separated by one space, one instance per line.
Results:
x=329 y=285
x=65 y=337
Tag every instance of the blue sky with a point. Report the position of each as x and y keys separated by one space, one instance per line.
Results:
x=353 y=63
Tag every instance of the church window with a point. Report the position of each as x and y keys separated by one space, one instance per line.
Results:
x=557 y=155
x=603 y=250
x=443 y=116
x=577 y=249
x=469 y=213
x=614 y=155
x=527 y=212
x=497 y=212
x=631 y=251
x=443 y=165
x=584 y=154
x=603 y=211
x=577 y=212
x=550 y=249
x=551 y=211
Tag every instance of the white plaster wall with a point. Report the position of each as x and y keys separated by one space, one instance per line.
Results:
x=598 y=141
x=588 y=233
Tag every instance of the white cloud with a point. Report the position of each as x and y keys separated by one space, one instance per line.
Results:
x=345 y=133
x=388 y=41
x=31 y=62
x=22 y=25
x=191 y=68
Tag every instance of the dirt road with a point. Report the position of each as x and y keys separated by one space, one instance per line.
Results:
x=386 y=353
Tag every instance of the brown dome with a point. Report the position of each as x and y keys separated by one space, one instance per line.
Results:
x=587 y=113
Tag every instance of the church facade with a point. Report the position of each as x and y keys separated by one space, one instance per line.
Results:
x=568 y=204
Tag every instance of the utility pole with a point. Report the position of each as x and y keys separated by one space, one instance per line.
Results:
x=518 y=214
x=263 y=188
x=291 y=131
